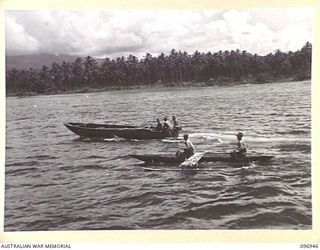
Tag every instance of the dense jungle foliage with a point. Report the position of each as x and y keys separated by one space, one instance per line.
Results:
x=177 y=68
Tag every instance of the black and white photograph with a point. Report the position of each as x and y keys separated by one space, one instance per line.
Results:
x=158 y=119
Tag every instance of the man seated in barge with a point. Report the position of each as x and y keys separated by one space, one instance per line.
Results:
x=166 y=126
x=186 y=152
x=159 y=126
x=240 y=150
x=175 y=127
x=175 y=123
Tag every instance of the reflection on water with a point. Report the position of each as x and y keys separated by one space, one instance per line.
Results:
x=55 y=181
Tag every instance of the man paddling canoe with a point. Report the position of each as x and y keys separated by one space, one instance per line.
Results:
x=186 y=152
x=241 y=149
x=189 y=149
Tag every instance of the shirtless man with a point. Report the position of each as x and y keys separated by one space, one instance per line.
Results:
x=241 y=149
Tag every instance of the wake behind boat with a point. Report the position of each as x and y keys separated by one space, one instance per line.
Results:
x=171 y=159
x=93 y=130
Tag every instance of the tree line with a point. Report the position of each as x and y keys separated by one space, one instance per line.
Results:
x=176 y=67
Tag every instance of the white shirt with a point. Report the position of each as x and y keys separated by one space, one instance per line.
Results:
x=189 y=145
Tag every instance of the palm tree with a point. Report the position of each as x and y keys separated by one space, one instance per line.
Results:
x=174 y=67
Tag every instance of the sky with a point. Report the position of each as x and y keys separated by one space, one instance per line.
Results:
x=123 y=32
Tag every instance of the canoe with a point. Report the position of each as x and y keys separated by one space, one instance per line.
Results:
x=92 y=130
x=208 y=157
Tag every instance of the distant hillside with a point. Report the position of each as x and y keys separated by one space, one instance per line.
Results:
x=25 y=62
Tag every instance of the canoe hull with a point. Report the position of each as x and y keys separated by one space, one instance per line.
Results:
x=208 y=157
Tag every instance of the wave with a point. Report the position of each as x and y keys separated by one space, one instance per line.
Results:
x=23 y=163
x=266 y=191
x=43 y=185
x=172 y=140
x=42 y=157
x=231 y=137
x=23 y=118
x=207 y=136
x=114 y=139
x=21 y=170
x=90 y=167
x=97 y=157
x=286 y=219
x=115 y=227
x=305 y=148
x=294 y=132
x=82 y=167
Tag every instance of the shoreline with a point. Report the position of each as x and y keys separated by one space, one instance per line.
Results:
x=222 y=82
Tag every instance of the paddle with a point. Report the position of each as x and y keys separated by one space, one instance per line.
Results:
x=193 y=161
